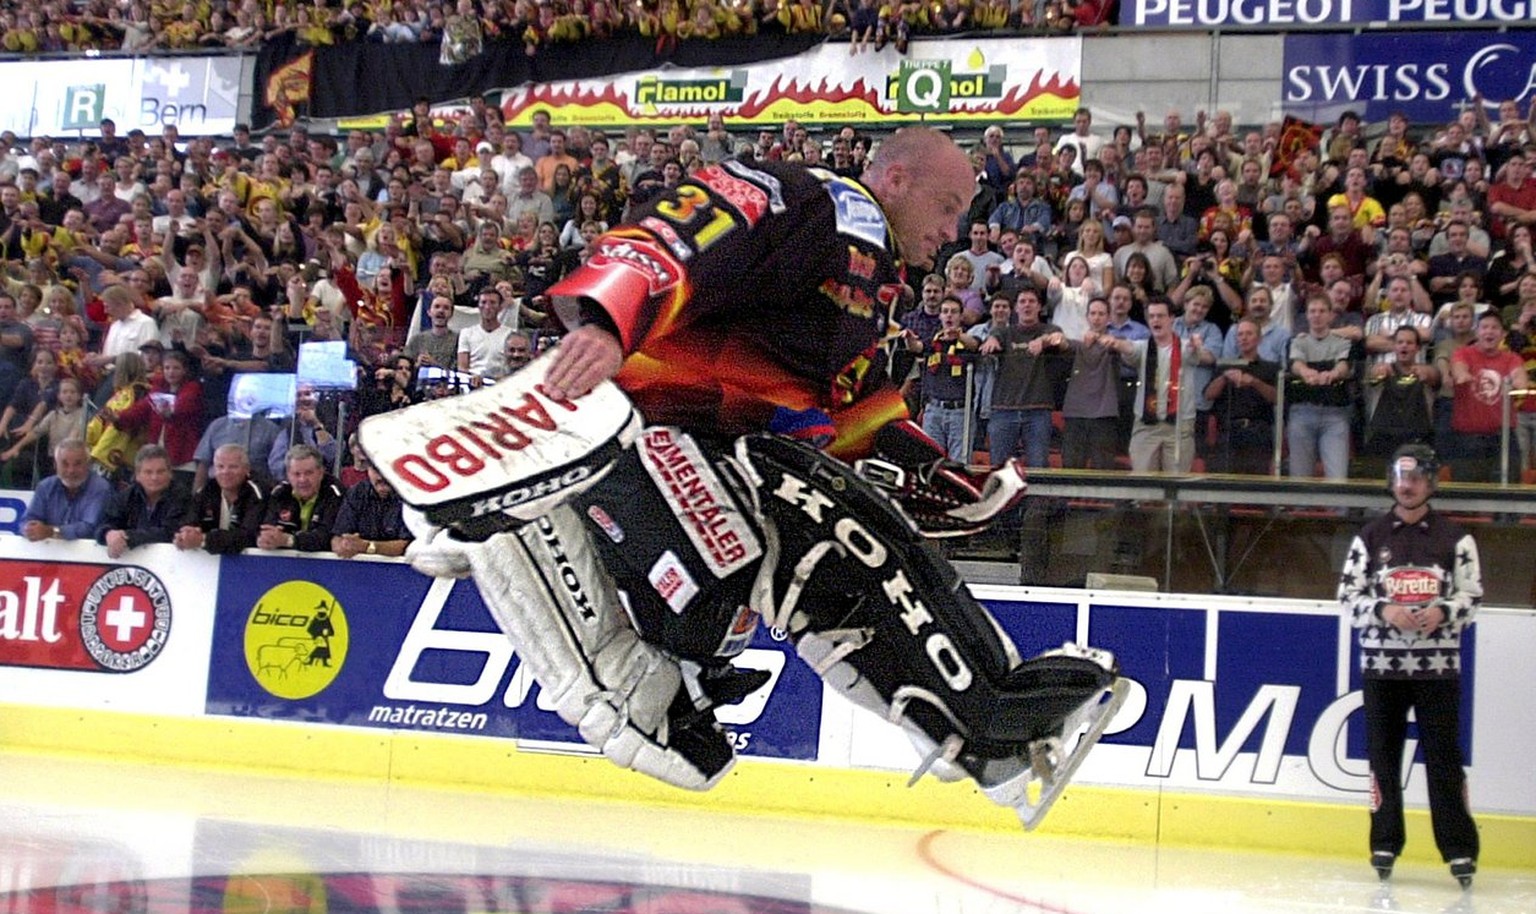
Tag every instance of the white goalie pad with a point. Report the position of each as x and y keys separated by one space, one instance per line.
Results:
x=509 y=449
x=544 y=587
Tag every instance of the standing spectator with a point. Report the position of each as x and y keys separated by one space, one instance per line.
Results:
x=148 y=511
x=1090 y=246
x=480 y=346
x=999 y=169
x=307 y=427
x=1365 y=212
x=113 y=448
x=1342 y=239
x=257 y=435
x=1319 y=395
x=171 y=415
x=30 y=401
x=985 y=262
x=438 y=345
x=945 y=380
x=301 y=510
x=1029 y=370
x=1274 y=340
x=545 y=166
x=1242 y=399
x=1101 y=195
x=1195 y=327
x=1481 y=373
x=226 y=513
x=69 y=504
x=1124 y=327
x=1025 y=267
x=1177 y=230
x=1091 y=406
x=1163 y=269
x=1380 y=327
x=1460 y=325
x=1285 y=298
x=1398 y=400
x=15 y=347
x=1000 y=308
x=370 y=521
x=64 y=421
x=1410 y=656
x=130 y=327
x=1164 y=434
x=1512 y=201
x=1445 y=269
x=529 y=198
x=1024 y=214
x=1081 y=139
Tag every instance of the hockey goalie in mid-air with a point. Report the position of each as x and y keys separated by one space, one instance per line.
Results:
x=716 y=442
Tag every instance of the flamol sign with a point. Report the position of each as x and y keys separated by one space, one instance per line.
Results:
x=1035 y=79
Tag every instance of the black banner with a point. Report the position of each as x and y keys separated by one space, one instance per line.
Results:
x=361 y=78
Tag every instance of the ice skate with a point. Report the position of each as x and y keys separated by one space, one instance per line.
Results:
x=1464 y=868
x=1382 y=862
x=1081 y=690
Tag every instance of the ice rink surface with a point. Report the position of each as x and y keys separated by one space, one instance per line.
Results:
x=96 y=836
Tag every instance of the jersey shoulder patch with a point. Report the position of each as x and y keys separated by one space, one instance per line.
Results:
x=855 y=210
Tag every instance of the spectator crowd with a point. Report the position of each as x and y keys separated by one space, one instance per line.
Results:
x=1145 y=296
x=1140 y=296
x=463 y=28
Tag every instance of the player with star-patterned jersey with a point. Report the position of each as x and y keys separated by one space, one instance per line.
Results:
x=1411 y=584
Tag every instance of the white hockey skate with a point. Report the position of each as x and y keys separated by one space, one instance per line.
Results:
x=1051 y=762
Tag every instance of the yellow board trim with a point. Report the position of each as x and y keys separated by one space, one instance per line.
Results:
x=754 y=786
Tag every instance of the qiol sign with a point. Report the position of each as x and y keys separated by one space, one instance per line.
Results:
x=927 y=86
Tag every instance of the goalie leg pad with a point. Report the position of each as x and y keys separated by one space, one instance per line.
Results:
x=887 y=622
x=546 y=590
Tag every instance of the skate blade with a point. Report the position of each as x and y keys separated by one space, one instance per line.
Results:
x=1052 y=782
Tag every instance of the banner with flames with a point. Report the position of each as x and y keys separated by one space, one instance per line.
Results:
x=939 y=82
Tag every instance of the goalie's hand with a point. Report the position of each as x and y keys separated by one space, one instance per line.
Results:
x=588 y=356
x=942 y=497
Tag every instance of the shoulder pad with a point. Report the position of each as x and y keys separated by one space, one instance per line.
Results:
x=855 y=210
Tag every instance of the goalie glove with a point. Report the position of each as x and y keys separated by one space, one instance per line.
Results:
x=944 y=498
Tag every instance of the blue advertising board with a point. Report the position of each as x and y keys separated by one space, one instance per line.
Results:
x=1275 y=685
x=1290 y=14
x=1428 y=76
x=375 y=644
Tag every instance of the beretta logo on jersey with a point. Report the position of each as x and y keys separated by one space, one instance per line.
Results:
x=296 y=640
x=1411 y=585
x=93 y=618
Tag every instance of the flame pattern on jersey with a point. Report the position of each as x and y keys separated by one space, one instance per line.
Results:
x=749 y=288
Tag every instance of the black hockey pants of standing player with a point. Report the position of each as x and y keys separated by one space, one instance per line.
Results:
x=1437 y=705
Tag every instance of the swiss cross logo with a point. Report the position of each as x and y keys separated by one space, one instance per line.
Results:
x=95 y=618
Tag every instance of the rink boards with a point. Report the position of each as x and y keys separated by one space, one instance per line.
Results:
x=1243 y=726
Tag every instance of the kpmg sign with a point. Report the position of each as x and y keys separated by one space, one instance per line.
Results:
x=1282 y=14
x=1429 y=76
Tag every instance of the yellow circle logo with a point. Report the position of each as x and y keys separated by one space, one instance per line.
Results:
x=296 y=639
